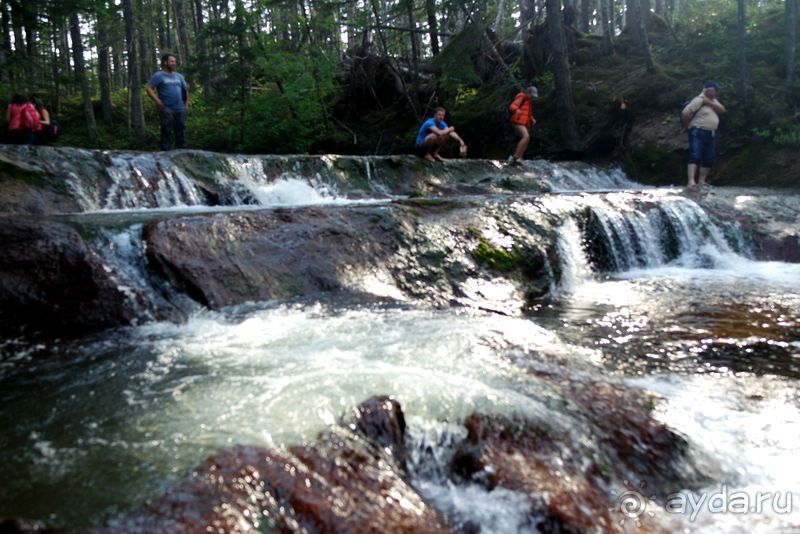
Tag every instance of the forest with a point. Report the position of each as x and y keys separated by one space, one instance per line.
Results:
x=358 y=76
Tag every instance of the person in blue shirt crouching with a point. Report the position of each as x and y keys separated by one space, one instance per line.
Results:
x=432 y=136
x=167 y=89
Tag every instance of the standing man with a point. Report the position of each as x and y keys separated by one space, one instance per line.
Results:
x=167 y=89
x=701 y=117
x=432 y=136
x=521 y=109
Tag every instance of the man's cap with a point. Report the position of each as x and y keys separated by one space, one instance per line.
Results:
x=711 y=83
x=533 y=91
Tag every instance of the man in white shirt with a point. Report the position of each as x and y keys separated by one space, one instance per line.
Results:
x=701 y=117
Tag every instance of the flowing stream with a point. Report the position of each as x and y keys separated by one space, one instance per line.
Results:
x=674 y=304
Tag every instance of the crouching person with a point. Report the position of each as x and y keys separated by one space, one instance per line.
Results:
x=434 y=134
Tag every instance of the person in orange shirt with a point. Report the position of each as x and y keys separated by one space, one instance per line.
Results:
x=522 y=120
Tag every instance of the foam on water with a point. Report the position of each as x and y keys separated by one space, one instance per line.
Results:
x=746 y=435
x=303 y=368
x=710 y=263
x=294 y=191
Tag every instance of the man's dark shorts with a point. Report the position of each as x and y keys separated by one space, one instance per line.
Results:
x=701 y=147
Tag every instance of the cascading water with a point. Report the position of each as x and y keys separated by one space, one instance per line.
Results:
x=653 y=295
x=677 y=229
x=580 y=177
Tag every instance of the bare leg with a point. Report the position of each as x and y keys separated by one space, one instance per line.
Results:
x=704 y=174
x=431 y=147
x=440 y=141
x=524 y=139
x=692 y=171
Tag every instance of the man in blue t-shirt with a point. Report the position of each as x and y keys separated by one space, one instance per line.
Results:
x=432 y=136
x=167 y=89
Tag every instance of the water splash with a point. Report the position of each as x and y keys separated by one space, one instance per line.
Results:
x=575 y=267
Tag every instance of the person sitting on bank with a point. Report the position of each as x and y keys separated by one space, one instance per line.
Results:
x=701 y=117
x=522 y=121
x=434 y=134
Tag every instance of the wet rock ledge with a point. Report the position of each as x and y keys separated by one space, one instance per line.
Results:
x=354 y=478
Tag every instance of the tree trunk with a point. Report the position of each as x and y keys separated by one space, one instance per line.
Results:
x=162 y=37
x=168 y=26
x=180 y=27
x=5 y=48
x=20 y=51
x=104 y=65
x=202 y=46
x=29 y=24
x=134 y=85
x=80 y=76
x=527 y=12
x=141 y=45
x=632 y=23
x=637 y=22
x=742 y=45
x=412 y=23
x=433 y=25
x=501 y=7
x=612 y=18
x=564 y=103
x=607 y=26
x=587 y=6
x=66 y=70
x=791 y=42
x=56 y=104
x=644 y=6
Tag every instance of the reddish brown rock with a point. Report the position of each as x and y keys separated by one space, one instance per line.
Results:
x=567 y=493
x=345 y=482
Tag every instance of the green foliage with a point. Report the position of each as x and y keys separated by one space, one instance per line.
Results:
x=783 y=137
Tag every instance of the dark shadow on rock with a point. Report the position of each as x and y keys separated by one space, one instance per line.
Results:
x=50 y=280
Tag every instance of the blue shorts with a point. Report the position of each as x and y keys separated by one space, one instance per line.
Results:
x=701 y=147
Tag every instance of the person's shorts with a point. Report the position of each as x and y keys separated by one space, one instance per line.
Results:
x=701 y=147
x=420 y=151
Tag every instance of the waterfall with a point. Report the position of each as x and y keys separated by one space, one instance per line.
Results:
x=573 y=176
x=622 y=236
x=145 y=181
x=123 y=256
